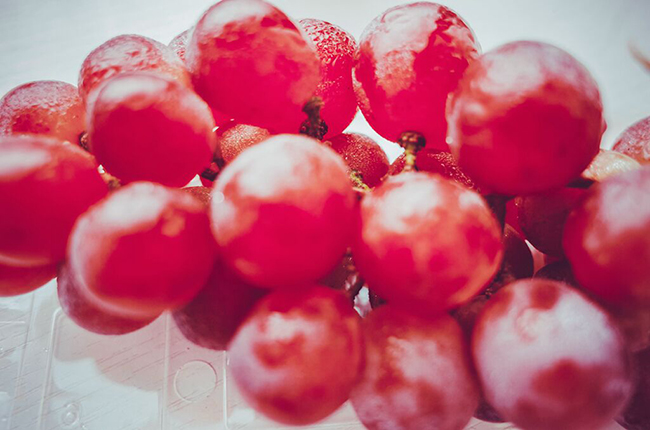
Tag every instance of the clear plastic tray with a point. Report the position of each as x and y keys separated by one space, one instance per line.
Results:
x=55 y=375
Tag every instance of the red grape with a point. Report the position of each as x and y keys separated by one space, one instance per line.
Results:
x=558 y=271
x=298 y=354
x=607 y=240
x=21 y=280
x=201 y=193
x=283 y=211
x=147 y=127
x=338 y=53
x=45 y=185
x=425 y=243
x=517 y=260
x=411 y=57
x=417 y=374
x=179 y=43
x=50 y=108
x=637 y=413
x=87 y=315
x=526 y=118
x=542 y=217
x=550 y=358
x=234 y=138
x=144 y=249
x=635 y=141
x=250 y=61
x=128 y=53
x=212 y=317
x=434 y=161
x=607 y=164
x=363 y=155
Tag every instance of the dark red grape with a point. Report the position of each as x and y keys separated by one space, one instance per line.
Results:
x=298 y=354
x=283 y=211
x=410 y=58
x=21 y=280
x=635 y=141
x=233 y=138
x=607 y=240
x=526 y=118
x=426 y=243
x=45 y=185
x=250 y=61
x=129 y=53
x=212 y=317
x=50 y=108
x=550 y=358
x=87 y=315
x=417 y=375
x=338 y=53
x=363 y=156
x=142 y=250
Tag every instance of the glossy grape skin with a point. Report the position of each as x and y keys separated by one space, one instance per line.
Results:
x=147 y=127
x=425 y=243
x=410 y=58
x=87 y=315
x=607 y=240
x=550 y=358
x=144 y=249
x=635 y=141
x=283 y=211
x=233 y=138
x=22 y=280
x=417 y=375
x=298 y=354
x=250 y=61
x=637 y=413
x=526 y=118
x=338 y=53
x=128 y=53
x=49 y=108
x=212 y=317
x=542 y=217
x=363 y=155
x=45 y=185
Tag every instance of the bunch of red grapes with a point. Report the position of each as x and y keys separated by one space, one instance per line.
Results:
x=296 y=216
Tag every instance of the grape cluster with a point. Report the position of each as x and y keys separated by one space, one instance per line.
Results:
x=502 y=168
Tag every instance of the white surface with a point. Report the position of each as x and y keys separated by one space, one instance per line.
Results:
x=54 y=375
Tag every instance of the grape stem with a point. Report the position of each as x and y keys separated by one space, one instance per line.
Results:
x=314 y=126
x=357 y=182
x=412 y=142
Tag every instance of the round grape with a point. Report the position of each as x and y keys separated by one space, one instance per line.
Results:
x=234 y=138
x=635 y=141
x=22 y=280
x=363 y=156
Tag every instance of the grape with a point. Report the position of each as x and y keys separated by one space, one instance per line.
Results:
x=558 y=271
x=45 y=185
x=212 y=317
x=526 y=118
x=517 y=260
x=635 y=141
x=425 y=243
x=298 y=354
x=338 y=53
x=148 y=127
x=605 y=165
x=362 y=155
x=550 y=358
x=144 y=249
x=21 y=280
x=250 y=61
x=607 y=240
x=283 y=211
x=128 y=53
x=637 y=414
x=542 y=217
x=179 y=43
x=201 y=193
x=234 y=138
x=434 y=161
x=85 y=314
x=417 y=374
x=49 y=108
x=410 y=58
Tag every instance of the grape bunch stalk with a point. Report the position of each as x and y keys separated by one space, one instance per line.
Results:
x=326 y=272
